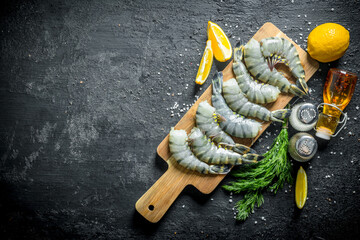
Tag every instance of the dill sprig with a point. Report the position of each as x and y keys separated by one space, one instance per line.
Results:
x=271 y=173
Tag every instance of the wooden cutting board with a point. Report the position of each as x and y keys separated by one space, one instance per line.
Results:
x=157 y=200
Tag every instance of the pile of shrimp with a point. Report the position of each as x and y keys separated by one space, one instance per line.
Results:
x=209 y=148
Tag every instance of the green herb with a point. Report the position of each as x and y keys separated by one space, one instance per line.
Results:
x=271 y=173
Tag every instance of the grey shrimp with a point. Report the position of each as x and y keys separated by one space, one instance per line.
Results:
x=237 y=101
x=277 y=49
x=230 y=122
x=208 y=152
x=257 y=66
x=206 y=121
x=256 y=92
x=181 y=152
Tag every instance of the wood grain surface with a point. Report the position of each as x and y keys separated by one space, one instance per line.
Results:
x=157 y=200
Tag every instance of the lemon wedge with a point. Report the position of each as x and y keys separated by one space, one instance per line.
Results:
x=301 y=188
x=219 y=42
x=205 y=64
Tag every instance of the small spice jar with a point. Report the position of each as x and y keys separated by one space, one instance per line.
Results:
x=302 y=147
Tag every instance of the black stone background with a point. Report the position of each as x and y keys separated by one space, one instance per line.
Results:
x=85 y=93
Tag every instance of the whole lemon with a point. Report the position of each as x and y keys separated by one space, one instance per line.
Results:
x=328 y=42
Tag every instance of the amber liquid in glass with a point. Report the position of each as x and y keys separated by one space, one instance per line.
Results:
x=338 y=90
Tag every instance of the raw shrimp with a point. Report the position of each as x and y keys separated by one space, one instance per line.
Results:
x=257 y=66
x=237 y=101
x=277 y=49
x=181 y=152
x=229 y=121
x=256 y=92
x=206 y=121
x=208 y=152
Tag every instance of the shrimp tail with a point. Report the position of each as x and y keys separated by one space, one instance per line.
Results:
x=297 y=91
x=220 y=169
x=252 y=158
x=217 y=83
x=280 y=115
x=301 y=82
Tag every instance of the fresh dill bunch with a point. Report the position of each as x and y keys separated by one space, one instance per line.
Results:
x=271 y=173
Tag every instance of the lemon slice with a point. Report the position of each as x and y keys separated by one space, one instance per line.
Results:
x=205 y=64
x=219 y=42
x=301 y=188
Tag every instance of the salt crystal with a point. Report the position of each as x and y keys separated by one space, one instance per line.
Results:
x=225 y=24
x=200 y=89
x=211 y=199
x=357 y=107
x=298 y=16
x=158 y=73
x=310 y=167
x=285 y=27
x=183 y=206
x=255 y=222
x=354 y=192
x=341 y=138
x=332 y=9
x=305 y=15
x=180 y=55
x=230 y=200
x=309 y=23
x=185 y=49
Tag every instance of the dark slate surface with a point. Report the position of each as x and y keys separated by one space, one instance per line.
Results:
x=85 y=93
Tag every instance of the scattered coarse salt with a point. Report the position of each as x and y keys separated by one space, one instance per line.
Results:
x=185 y=49
x=309 y=23
x=332 y=9
x=310 y=167
x=341 y=138
x=318 y=156
x=354 y=192
x=357 y=107
x=158 y=73
x=285 y=27
x=267 y=147
x=211 y=199
x=168 y=94
x=295 y=40
x=183 y=206
x=305 y=15
x=182 y=62
x=298 y=16
x=230 y=200
x=255 y=222
x=180 y=55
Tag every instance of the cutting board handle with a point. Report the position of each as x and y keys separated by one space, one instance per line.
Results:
x=157 y=200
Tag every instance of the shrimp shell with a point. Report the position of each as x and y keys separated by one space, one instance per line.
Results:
x=181 y=152
x=256 y=92
x=257 y=66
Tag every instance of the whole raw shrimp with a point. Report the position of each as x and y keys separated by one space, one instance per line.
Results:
x=179 y=148
x=277 y=49
x=237 y=101
x=208 y=152
x=232 y=123
x=257 y=66
x=206 y=121
x=256 y=92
